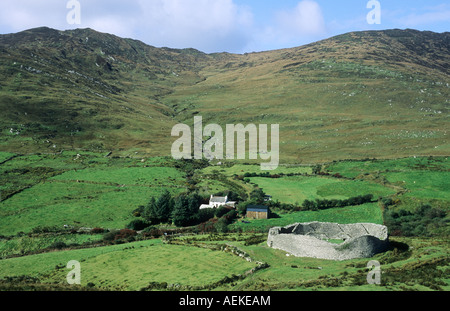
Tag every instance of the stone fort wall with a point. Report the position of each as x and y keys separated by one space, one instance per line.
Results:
x=319 y=240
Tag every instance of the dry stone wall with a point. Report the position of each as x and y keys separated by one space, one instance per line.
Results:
x=318 y=240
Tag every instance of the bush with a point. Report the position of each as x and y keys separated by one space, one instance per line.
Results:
x=421 y=222
x=204 y=215
x=221 y=211
x=46 y=229
x=121 y=236
x=98 y=231
x=152 y=232
x=126 y=234
x=110 y=236
x=58 y=245
x=325 y=204
x=138 y=224
x=221 y=225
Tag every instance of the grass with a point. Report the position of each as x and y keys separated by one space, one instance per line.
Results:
x=134 y=176
x=422 y=180
x=29 y=244
x=87 y=191
x=423 y=184
x=93 y=191
x=296 y=189
x=241 y=169
x=305 y=274
x=352 y=169
x=75 y=204
x=369 y=212
x=5 y=156
x=131 y=266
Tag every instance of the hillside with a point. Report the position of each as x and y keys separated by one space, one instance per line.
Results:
x=357 y=95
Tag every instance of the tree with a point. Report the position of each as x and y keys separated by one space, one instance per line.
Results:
x=138 y=225
x=165 y=205
x=257 y=196
x=309 y=205
x=221 y=225
x=194 y=202
x=159 y=211
x=150 y=212
x=181 y=215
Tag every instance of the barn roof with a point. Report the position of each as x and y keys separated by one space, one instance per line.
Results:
x=257 y=208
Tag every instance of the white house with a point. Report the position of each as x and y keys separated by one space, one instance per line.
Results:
x=216 y=202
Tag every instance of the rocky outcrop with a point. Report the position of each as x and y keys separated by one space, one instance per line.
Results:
x=330 y=240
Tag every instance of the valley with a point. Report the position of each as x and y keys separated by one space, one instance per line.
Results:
x=87 y=172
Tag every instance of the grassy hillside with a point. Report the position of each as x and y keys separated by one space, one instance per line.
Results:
x=45 y=192
x=85 y=144
x=358 y=95
x=79 y=190
x=139 y=265
x=84 y=89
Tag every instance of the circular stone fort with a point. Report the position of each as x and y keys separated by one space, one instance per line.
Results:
x=330 y=241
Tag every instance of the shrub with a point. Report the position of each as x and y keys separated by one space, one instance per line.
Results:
x=58 y=245
x=421 y=222
x=221 y=225
x=98 y=230
x=126 y=234
x=110 y=236
x=46 y=229
x=138 y=225
x=221 y=211
x=204 y=215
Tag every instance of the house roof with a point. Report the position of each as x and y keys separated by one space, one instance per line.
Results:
x=258 y=208
x=219 y=199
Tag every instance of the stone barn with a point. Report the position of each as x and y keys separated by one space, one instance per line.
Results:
x=257 y=212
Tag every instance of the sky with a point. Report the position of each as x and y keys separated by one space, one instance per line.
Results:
x=235 y=26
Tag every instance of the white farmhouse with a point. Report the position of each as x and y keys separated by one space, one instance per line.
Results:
x=216 y=202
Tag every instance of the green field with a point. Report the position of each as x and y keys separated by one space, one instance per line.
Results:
x=296 y=189
x=132 y=266
x=370 y=212
x=421 y=180
x=85 y=141
x=28 y=244
x=241 y=169
x=423 y=184
x=352 y=169
x=421 y=269
x=91 y=190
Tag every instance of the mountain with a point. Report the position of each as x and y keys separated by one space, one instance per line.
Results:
x=357 y=95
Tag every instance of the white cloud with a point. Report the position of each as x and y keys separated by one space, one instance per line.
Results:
x=305 y=19
x=415 y=20
x=302 y=24
x=18 y=15
x=208 y=25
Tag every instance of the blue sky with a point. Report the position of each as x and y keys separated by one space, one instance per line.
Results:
x=235 y=26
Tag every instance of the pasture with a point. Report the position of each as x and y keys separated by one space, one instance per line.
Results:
x=87 y=191
x=131 y=266
x=296 y=189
